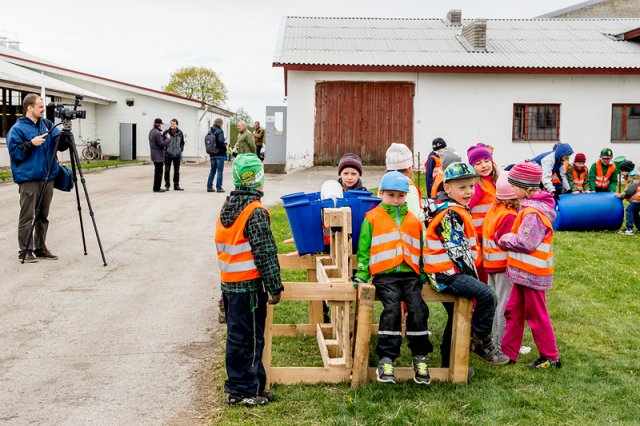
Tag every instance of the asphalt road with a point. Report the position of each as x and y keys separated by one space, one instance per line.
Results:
x=81 y=343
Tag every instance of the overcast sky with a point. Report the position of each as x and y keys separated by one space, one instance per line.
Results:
x=142 y=42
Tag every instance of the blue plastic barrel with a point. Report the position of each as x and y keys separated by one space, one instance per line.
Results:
x=595 y=211
x=357 y=193
x=305 y=221
x=359 y=207
x=292 y=198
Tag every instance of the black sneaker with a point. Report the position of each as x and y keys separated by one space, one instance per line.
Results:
x=211 y=190
x=421 y=370
x=160 y=190
x=384 y=372
x=487 y=351
x=219 y=190
x=542 y=362
x=177 y=188
x=269 y=395
x=247 y=401
x=29 y=258
x=45 y=254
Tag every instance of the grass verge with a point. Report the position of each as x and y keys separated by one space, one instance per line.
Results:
x=594 y=309
x=4 y=175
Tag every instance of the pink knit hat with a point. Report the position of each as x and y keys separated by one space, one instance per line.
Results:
x=525 y=174
x=504 y=191
x=478 y=152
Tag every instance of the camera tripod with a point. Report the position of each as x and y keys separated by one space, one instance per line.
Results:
x=66 y=137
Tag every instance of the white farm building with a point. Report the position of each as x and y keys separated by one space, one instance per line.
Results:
x=118 y=113
x=520 y=85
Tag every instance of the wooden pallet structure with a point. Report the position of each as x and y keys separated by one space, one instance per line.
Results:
x=344 y=342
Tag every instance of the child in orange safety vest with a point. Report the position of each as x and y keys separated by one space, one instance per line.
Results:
x=447 y=157
x=530 y=267
x=484 y=194
x=451 y=255
x=433 y=165
x=389 y=250
x=499 y=221
x=603 y=174
x=578 y=174
x=249 y=269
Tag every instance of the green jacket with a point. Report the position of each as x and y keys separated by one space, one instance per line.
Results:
x=245 y=143
x=364 y=243
x=613 y=183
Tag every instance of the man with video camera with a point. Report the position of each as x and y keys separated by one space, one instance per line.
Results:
x=31 y=147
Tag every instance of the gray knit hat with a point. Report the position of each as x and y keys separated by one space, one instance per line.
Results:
x=449 y=156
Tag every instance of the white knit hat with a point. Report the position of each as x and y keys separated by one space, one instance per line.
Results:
x=399 y=157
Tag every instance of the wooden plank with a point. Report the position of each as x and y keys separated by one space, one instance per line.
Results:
x=268 y=341
x=406 y=373
x=364 y=314
x=334 y=217
x=430 y=295
x=297 y=262
x=310 y=375
x=461 y=333
x=292 y=330
x=324 y=352
x=321 y=273
x=316 y=315
x=318 y=291
x=346 y=334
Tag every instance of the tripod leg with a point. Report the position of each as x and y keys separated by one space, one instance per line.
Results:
x=75 y=180
x=74 y=153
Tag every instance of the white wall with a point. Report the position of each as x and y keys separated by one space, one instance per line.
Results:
x=468 y=108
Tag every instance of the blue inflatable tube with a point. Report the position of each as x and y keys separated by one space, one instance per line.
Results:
x=595 y=211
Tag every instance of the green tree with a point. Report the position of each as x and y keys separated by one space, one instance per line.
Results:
x=199 y=83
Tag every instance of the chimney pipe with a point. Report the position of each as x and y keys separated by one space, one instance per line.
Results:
x=476 y=34
x=454 y=17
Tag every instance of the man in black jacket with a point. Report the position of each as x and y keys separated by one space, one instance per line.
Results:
x=157 y=144
x=217 y=161
x=173 y=152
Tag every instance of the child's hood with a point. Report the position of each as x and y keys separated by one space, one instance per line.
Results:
x=543 y=202
x=562 y=150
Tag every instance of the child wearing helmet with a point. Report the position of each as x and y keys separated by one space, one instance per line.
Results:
x=632 y=212
x=529 y=248
x=389 y=251
x=451 y=255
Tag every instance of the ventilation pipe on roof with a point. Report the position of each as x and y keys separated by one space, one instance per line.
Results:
x=13 y=45
x=475 y=33
x=454 y=17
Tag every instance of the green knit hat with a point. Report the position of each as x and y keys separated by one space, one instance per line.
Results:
x=248 y=171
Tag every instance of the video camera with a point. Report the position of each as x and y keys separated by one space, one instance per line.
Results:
x=65 y=114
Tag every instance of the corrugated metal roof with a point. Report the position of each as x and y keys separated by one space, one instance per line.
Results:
x=20 y=76
x=526 y=43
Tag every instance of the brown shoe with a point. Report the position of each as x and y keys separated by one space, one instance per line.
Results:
x=29 y=258
x=45 y=254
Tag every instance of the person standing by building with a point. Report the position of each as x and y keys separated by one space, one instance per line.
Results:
x=217 y=160
x=31 y=148
x=258 y=136
x=245 y=143
x=157 y=144
x=175 y=146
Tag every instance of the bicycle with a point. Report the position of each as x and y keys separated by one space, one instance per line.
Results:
x=93 y=150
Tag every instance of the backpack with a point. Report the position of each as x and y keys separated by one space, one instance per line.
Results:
x=211 y=144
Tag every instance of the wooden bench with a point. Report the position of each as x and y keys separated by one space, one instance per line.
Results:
x=344 y=342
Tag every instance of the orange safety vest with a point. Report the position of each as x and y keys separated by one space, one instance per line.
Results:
x=555 y=179
x=540 y=261
x=636 y=196
x=436 y=184
x=234 y=251
x=479 y=211
x=438 y=165
x=392 y=245
x=579 y=177
x=435 y=257
x=602 y=179
x=493 y=256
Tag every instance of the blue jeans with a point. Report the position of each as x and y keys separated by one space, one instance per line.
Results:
x=632 y=213
x=486 y=300
x=217 y=165
x=245 y=342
